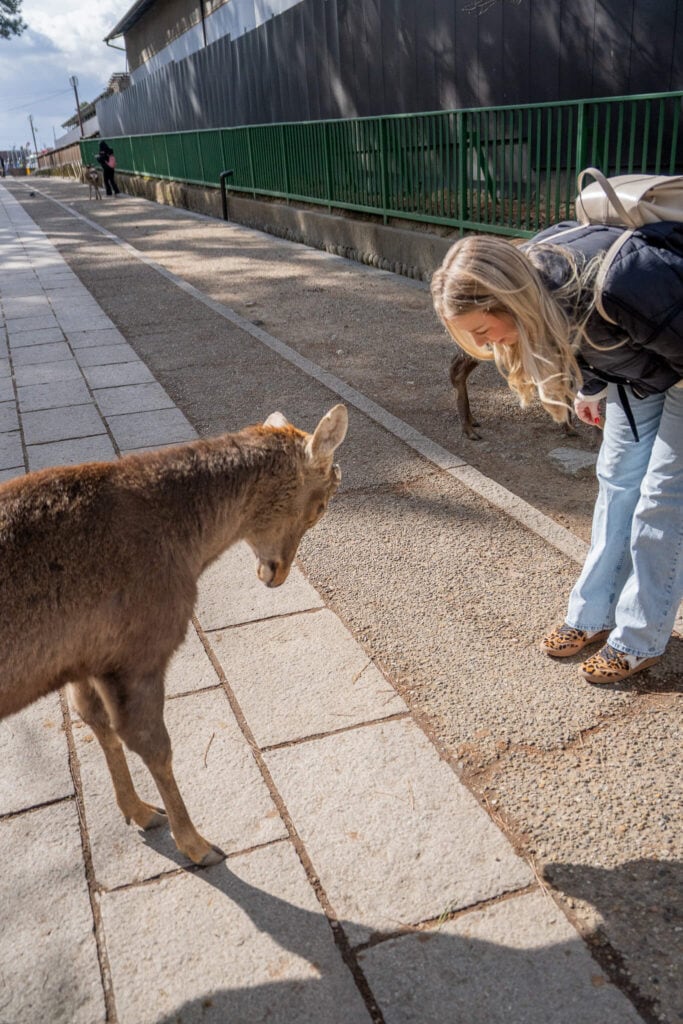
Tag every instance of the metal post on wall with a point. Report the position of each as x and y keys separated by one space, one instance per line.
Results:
x=224 y=191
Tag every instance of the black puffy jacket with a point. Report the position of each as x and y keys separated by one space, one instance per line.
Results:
x=643 y=292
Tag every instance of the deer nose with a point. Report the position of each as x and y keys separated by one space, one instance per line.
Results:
x=272 y=573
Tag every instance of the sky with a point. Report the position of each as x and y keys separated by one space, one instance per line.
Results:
x=63 y=38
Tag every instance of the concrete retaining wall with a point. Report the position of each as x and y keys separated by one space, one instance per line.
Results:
x=413 y=253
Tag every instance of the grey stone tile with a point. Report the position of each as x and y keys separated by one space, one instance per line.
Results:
x=5 y=369
x=21 y=287
x=34 y=757
x=48 y=957
x=30 y=323
x=11 y=453
x=52 y=396
x=190 y=667
x=9 y=419
x=62 y=423
x=69 y=322
x=10 y=474
x=87 y=339
x=29 y=355
x=142 y=429
x=28 y=306
x=255 y=947
x=47 y=336
x=69 y=453
x=115 y=375
x=132 y=398
x=46 y=373
x=394 y=835
x=231 y=593
x=104 y=355
x=301 y=676
x=519 y=960
x=215 y=771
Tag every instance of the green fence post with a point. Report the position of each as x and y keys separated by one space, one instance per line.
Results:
x=251 y=163
x=581 y=140
x=383 y=170
x=461 y=169
x=328 y=164
x=285 y=165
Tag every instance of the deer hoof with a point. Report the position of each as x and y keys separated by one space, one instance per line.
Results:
x=157 y=817
x=214 y=856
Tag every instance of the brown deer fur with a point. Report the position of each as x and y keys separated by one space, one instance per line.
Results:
x=99 y=574
x=461 y=367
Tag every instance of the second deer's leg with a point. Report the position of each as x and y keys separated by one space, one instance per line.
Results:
x=460 y=369
x=136 y=707
x=91 y=709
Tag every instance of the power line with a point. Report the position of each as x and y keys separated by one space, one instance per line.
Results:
x=32 y=103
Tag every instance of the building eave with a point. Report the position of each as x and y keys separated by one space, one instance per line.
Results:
x=130 y=18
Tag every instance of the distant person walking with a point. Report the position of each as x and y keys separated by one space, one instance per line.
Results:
x=107 y=162
x=2 y=165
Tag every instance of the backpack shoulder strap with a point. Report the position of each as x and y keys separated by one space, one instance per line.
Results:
x=605 y=268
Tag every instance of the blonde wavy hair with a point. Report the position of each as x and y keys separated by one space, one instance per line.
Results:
x=493 y=275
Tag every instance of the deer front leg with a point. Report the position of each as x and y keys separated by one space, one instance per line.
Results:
x=460 y=369
x=136 y=705
x=86 y=702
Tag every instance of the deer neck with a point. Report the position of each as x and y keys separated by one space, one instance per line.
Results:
x=218 y=488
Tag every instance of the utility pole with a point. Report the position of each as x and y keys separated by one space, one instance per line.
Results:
x=33 y=133
x=73 y=81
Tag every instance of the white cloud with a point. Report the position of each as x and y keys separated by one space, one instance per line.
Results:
x=61 y=40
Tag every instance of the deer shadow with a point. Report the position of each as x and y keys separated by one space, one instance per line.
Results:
x=516 y=962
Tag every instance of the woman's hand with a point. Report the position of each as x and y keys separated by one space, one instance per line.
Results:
x=588 y=410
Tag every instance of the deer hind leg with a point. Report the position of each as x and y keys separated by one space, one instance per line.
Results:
x=136 y=707
x=460 y=369
x=86 y=702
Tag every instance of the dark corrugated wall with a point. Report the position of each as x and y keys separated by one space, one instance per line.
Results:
x=348 y=58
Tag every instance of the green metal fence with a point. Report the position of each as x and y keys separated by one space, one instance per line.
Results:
x=509 y=170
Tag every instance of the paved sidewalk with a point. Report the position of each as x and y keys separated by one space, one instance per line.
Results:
x=363 y=880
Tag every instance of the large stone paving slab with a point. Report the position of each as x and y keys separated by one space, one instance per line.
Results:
x=53 y=396
x=34 y=758
x=230 y=592
x=62 y=423
x=190 y=667
x=69 y=453
x=517 y=962
x=217 y=775
x=11 y=452
x=302 y=675
x=241 y=943
x=144 y=429
x=393 y=834
x=49 y=969
x=132 y=398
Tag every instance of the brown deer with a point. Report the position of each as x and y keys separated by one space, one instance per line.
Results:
x=99 y=574
x=461 y=367
x=90 y=176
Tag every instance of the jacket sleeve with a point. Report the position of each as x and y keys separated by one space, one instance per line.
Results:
x=644 y=294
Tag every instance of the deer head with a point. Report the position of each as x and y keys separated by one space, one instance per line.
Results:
x=275 y=538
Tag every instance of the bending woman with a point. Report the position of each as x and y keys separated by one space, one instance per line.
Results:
x=532 y=310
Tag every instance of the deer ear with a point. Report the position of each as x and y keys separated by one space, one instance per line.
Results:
x=328 y=435
x=276 y=419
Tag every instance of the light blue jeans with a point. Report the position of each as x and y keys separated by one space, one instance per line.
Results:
x=632 y=580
